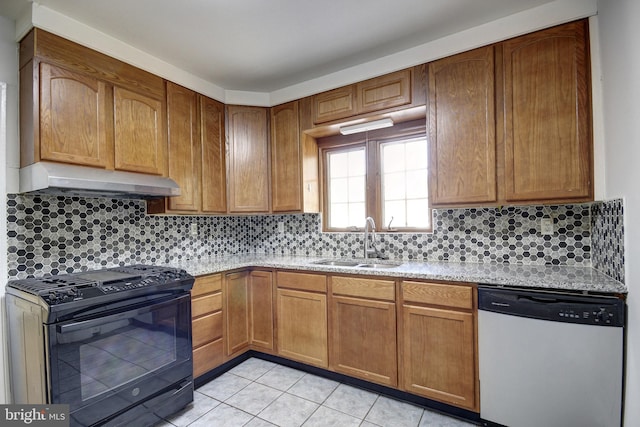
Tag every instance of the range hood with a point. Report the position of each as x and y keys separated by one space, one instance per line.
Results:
x=60 y=178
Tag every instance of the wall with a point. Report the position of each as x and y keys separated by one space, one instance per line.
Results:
x=8 y=162
x=53 y=234
x=619 y=23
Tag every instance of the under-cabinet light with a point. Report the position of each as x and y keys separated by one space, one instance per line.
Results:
x=363 y=127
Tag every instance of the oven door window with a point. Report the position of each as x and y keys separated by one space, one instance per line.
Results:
x=99 y=357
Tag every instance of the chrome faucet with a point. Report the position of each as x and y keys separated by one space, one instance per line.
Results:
x=369 y=249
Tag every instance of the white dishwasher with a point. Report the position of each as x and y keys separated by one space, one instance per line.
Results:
x=550 y=359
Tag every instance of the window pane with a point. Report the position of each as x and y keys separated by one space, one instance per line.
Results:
x=418 y=214
x=356 y=214
x=416 y=154
x=405 y=188
x=356 y=188
x=395 y=210
x=339 y=215
x=338 y=164
x=347 y=187
x=393 y=157
x=394 y=186
x=356 y=163
x=339 y=193
x=417 y=187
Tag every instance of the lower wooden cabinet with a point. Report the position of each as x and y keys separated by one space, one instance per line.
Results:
x=422 y=342
x=236 y=309
x=302 y=318
x=363 y=330
x=261 y=310
x=439 y=348
x=248 y=299
x=206 y=330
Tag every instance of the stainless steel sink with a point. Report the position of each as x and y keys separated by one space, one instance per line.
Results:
x=338 y=263
x=359 y=264
x=390 y=265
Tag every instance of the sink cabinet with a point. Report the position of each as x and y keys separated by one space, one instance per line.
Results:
x=302 y=317
x=363 y=329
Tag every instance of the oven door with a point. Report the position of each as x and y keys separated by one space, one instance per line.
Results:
x=105 y=365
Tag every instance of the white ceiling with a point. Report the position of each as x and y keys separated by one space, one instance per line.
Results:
x=266 y=45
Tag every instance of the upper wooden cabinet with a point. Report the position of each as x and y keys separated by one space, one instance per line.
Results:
x=213 y=179
x=286 y=158
x=294 y=159
x=546 y=114
x=64 y=138
x=461 y=117
x=139 y=133
x=196 y=146
x=401 y=89
x=538 y=148
x=249 y=175
x=184 y=147
x=82 y=107
x=380 y=93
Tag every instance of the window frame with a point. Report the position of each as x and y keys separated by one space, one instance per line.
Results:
x=372 y=142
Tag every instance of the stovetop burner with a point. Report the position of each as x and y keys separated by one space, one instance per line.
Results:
x=67 y=288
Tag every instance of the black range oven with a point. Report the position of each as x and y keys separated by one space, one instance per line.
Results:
x=115 y=344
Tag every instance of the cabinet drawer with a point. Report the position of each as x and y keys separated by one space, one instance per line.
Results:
x=207 y=357
x=206 y=328
x=302 y=281
x=366 y=288
x=438 y=294
x=206 y=304
x=206 y=285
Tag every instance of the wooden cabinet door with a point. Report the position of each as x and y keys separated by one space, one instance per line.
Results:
x=286 y=161
x=302 y=326
x=139 y=132
x=334 y=104
x=213 y=184
x=439 y=349
x=183 y=147
x=390 y=90
x=73 y=118
x=248 y=159
x=261 y=310
x=547 y=135
x=462 y=134
x=363 y=339
x=236 y=312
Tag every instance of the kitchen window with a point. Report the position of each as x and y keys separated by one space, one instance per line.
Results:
x=382 y=174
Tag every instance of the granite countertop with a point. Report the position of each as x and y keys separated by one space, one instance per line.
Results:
x=580 y=279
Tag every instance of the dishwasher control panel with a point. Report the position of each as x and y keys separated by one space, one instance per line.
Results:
x=558 y=307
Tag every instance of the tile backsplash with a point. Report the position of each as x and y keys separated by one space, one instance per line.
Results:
x=52 y=234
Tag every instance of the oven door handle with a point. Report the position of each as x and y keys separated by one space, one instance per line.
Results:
x=87 y=324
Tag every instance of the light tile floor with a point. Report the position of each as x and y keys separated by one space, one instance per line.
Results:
x=258 y=393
